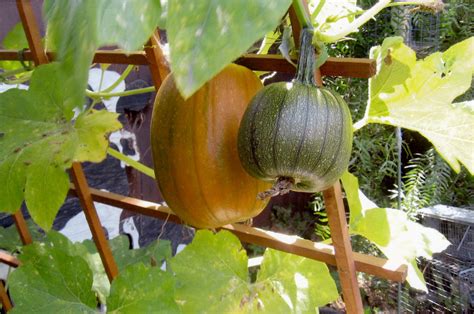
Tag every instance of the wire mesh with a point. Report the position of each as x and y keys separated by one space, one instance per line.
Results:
x=466 y=278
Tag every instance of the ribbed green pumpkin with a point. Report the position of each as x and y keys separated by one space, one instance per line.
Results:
x=295 y=132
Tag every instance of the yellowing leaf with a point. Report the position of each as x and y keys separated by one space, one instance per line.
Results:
x=51 y=281
x=217 y=264
x=288 y=283
x=392 y=232
x=419 y=95
x=39 y=142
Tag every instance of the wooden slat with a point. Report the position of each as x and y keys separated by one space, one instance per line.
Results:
x=346 y=67
x=6 y=303
x=295 y=25
x=8 y=259
x=369 y=264
x=343 y=250
x=22 y=227
x=85 y=198
x=101 y=56
x=157 y=62
x=120 y=57
x=344 y=256
x=39 y=56
x=28 y=20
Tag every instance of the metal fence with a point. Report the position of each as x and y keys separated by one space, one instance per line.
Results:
x=450 y=274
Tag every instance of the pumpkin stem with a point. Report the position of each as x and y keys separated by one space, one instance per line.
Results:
x=282 y=186
x=306 y=59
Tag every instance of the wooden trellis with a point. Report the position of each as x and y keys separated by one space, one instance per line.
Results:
x=339 y=254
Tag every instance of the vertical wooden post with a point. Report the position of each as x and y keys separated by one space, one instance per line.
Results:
x=343 y=249
x=22 y=228
x=156 y=60
x=6 y=303
x=39 y=56
x=98 y=234
x=337 y=221
x=31 y=29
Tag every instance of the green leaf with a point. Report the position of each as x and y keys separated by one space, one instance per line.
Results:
x=143 y=289
x=10 y=239
x=40 y=142
x=51 y=281
x=89 y=254
x=392 y=232
x=217 y=265
x=157 y=251
x=15 y=39
x=128 y=23
x=288 y=283
x=207 y=35
x=77 y=28
x=418 y=95
x=153 y=254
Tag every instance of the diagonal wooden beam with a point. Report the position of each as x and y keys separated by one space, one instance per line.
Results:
x=9 y=259
x=4 y=298
x=40 y=57
x=85 y=198
x=376 y=266
x=343 y=250
x=345 y=263
x=156 y=60
x=30 y=26
x=22 y=227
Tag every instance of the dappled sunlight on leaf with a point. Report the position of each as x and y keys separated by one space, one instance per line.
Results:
x=203 y=39
x=399 y=238
x=40 y=142
x=285 y=282
x=418 y=95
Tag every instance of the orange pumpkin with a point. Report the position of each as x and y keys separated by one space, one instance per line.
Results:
x=194 y=145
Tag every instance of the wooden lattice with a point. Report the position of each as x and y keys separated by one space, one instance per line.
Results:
x=339 y=254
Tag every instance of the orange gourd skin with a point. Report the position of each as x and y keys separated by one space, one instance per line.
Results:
x=194 y=145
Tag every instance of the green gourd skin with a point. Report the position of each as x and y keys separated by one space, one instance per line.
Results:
x=297 y=131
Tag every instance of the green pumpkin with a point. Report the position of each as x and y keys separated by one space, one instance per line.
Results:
x=296 y=134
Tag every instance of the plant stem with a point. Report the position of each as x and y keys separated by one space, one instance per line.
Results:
x=359 y=124
x=364 y=18
x=20 y=80
x=119 y=80
x=12 y=72
x=305 y=69
x=396 y=4
x=92 y=94
x=132 y=163
x=302 y=14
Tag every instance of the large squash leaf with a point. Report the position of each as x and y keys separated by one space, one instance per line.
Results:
x=392 y=232
x=288 y=283
x=153 y=254
x=38 y=142
x=51 y=281
x=77 y=28
x=100 y=284
x=217 y=264
x=207 y=35
x=143 y=289
x=419 y=95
